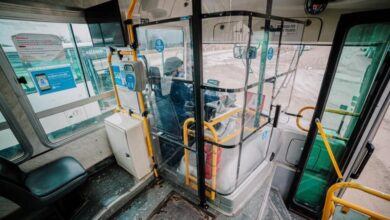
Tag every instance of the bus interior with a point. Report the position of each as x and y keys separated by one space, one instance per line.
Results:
x=180 y=109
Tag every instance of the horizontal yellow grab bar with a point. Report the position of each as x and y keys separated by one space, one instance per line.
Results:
x=331 y=199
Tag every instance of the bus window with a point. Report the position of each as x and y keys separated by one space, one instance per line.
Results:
x=62 y=75
x=9 y=145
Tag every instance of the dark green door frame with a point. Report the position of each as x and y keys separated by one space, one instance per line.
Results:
x=346 y=22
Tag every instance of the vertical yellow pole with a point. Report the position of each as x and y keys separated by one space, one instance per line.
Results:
x=140 y=95
x=329 y=149
x=118 y=101
x=327 y=212
x=130 y=26
x=214 y=158
x=185 y=141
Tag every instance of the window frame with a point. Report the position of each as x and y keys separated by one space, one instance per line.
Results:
x=16 y=130
x=76 y=17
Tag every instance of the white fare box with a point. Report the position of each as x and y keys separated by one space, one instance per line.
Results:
x=128 y=144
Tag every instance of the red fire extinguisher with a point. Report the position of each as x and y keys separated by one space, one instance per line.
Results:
x=208 y=150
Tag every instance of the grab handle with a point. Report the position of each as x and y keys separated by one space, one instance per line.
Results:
x=370 y=149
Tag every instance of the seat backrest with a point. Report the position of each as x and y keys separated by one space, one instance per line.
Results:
x=10 y=172
x=155 y=80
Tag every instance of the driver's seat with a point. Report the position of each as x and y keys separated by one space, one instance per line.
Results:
x=167 y=120
x=42 y=186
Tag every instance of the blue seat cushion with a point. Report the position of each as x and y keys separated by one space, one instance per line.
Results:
x=53 y=176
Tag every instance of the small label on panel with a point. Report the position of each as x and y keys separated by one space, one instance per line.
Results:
x=130 y=82
x=290 y=28
x=117 y=75
x=38 y=47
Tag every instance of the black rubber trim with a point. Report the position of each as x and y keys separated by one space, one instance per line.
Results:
x=128 y=21
x=370 y=149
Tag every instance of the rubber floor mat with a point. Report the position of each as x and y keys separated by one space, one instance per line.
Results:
x=176 y=207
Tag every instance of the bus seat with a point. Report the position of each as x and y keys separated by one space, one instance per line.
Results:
x=166 y=115
x=42 y=186
x=155 y=80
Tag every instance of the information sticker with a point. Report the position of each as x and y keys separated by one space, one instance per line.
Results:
x=53 y=79
x=38 y=47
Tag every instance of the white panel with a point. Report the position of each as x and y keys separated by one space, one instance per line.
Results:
x=88 y=150
x=128 y=99
x=92 y=109
x=54 y=122
x=128 y=144
x=55 y=99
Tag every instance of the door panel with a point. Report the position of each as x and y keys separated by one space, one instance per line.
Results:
x=375 y=173
x=352 y=78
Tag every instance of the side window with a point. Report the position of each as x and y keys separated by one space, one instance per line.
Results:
x=13 y=146
x=9 y=145
x=62 y=76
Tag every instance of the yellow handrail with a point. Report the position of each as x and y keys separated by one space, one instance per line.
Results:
x=140 y=95
x=331 y=200
x=335 y=111
x=118 y=101
x=214 y=159
x=119 y=108
x=189 y=179
x=225 y=116
x=328 y=149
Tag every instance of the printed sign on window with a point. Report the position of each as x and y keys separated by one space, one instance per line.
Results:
x=290 y=28
x=54 y=79
x=38 y=47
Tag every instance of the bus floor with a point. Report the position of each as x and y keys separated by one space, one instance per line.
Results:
x=106 y=183
x=166 y=201
x=103 y=196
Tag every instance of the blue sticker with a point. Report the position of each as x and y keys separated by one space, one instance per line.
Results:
x=264 y=135
x=117 y=75
x=159 y=45
x=270 y=53
x=53 y=80
x=130 y=82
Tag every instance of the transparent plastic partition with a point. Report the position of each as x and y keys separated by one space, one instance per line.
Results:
x=166 y=49
x=291 y=49
x=211 y=6
x=232 y=72
x=272 y=67
x=236 y=103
